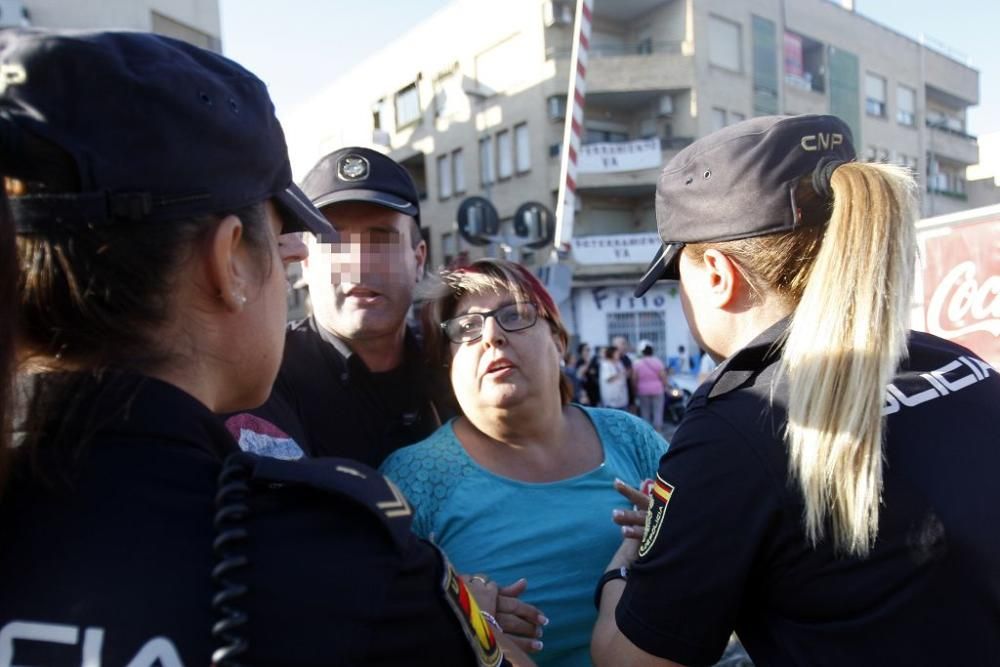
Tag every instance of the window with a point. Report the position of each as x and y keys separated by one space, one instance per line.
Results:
x=804 y=62
x=718 y=118
x=449 y=247
x=486 y=174
x=641 y=325
x=875 y=95
x=765 y=67
x=594 y=135
x=908 y=161
x=458 y=170
x=906 y=106
x=407 y=106
x=944 y=120
x=557 y=107
x=379 y=118
x=522 y=147
x=724 y=44
x=448 y=94
x=876 y=154
x=444 y=175
x=505 y=155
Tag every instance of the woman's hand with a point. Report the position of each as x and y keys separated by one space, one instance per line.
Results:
x=633 y=523
x=521 y=622
x=484 y=590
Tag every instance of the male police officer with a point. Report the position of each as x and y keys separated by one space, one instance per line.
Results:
x=353 y=382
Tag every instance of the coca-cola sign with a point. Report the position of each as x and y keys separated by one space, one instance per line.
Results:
x=961 y=285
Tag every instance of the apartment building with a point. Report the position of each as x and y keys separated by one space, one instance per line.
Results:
x=194 y=21
x=473 y=101
x=983 y=179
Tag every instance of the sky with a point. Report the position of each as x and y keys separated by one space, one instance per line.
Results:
x=299 y=46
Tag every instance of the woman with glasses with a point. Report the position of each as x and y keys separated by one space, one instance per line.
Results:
x=516 y=486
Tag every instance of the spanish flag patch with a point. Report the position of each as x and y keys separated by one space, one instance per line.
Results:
x=661 y=494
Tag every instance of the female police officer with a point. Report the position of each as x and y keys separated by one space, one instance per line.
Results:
x=153 y=181
x=830 y=494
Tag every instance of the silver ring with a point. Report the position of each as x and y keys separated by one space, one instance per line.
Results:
x=480 y=578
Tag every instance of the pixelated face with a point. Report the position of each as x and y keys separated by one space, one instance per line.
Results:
x=503 y=368
x=362 y=285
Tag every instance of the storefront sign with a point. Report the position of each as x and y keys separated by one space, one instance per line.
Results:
x=618 y=300
x=603 y=158
x=616 y=248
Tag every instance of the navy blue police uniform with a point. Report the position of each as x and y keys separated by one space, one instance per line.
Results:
x=270 y=562
x=725 y=548
x=326 y=402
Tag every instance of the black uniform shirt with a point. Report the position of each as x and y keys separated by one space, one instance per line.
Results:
x=325 y=402
x=113 y=563
x=725 y=546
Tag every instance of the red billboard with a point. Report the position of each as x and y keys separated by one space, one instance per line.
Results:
x=961 y=282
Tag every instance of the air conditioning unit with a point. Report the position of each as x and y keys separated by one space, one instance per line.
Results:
x=666 y=105
x=557 y=13
x=13 y=14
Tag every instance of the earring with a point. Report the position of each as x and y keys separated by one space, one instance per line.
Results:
x=239 y=298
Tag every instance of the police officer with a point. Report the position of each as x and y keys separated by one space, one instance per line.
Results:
x=153 y=184
x=830 y=493
x=353 y=381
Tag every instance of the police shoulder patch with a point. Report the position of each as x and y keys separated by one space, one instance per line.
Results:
x=661 y=493
x=477 y=630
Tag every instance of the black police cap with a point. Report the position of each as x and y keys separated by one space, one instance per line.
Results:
x=155 y=128
x=356 y=174
x=740 y=182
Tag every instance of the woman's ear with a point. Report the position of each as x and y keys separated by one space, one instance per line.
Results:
x=228 y=271
x=722 y=278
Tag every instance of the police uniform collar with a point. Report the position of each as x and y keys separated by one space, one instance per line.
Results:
x=345 y=354
x=333 y=339
x=124 y=402
x=739 y=369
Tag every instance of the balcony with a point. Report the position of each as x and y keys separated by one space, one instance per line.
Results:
x=645 y=65
x=955 y=145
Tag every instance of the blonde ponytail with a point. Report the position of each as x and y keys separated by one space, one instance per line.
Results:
x=846 y=339
x=848 y=274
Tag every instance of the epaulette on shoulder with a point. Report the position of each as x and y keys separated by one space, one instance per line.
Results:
x=348 y=479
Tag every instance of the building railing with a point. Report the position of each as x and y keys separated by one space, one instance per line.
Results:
x=953 y=194
x=941 y=127
x=598 y=50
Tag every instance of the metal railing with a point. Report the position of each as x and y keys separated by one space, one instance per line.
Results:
x=599 y=50
x=941 y=127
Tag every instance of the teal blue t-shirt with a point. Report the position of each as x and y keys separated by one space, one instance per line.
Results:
x=557 y=535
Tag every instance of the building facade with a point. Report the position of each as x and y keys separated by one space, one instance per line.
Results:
x=194 y=21
x=473 y=102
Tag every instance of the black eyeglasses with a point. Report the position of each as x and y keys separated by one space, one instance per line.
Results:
x=511 y=317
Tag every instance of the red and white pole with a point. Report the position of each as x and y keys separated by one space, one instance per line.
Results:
x=573 y=130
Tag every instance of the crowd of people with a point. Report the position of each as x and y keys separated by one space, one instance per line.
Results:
x=608 y=376
x=183 y=481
